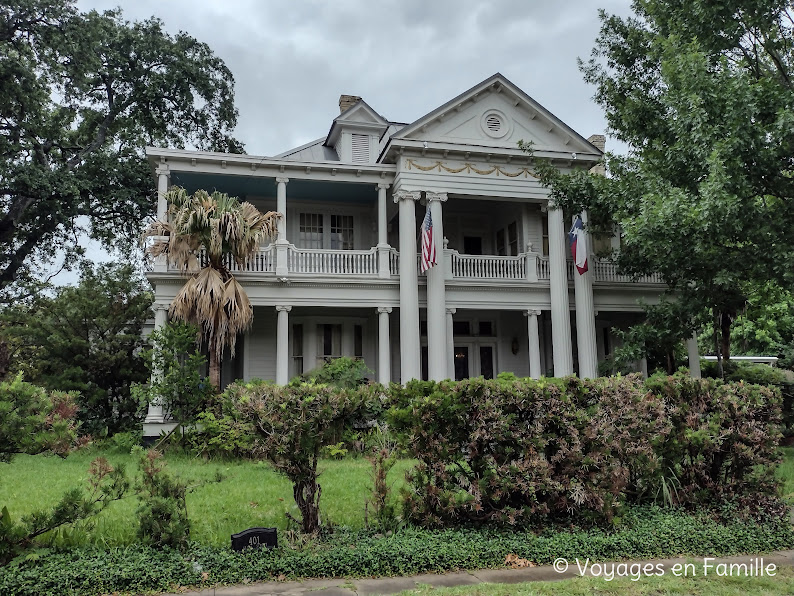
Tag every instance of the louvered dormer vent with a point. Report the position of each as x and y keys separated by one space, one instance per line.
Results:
x=360 y=149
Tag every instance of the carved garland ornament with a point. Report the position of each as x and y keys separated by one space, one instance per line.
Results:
x=469 y=168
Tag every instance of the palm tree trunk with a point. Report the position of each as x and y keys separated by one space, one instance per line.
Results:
x=215 y=366
x=725 y=331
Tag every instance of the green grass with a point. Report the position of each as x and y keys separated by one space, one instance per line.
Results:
x=782 y=583
x=250 y=494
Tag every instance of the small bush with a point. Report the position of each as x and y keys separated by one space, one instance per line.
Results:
x=33 y=420
x=294 y=423
x=163 y=512
x=344 y=372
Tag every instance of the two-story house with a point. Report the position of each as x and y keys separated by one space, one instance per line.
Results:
x=342 y=277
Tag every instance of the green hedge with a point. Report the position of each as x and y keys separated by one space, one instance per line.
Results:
x=644 y=533
x=518 y=451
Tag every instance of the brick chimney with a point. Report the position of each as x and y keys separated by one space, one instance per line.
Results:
x=599 y=141
x=345 y=101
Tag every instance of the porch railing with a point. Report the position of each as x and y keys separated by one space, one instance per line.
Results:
x=530 y=267
x=489 y=267
x=332 y=262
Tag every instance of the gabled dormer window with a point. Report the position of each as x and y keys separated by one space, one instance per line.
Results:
x=360 y=148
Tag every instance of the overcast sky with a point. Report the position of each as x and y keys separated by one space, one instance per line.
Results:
x=292 y=59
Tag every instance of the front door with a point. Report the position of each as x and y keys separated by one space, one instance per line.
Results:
x=475 y=359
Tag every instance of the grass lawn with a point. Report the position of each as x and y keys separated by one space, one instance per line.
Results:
x=782 y=583
x=250 y=494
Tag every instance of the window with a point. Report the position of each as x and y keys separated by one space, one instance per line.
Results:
x=461 y=327
x=342 y=232
x=512 y=238
x=311 y=230
x=329 y=342
x=297 y=348
x=358 y=341
x=318 y=230
x=486 y=328
x=501 y=247
x=545 y=221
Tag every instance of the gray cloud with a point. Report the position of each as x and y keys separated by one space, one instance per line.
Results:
x=291 y=60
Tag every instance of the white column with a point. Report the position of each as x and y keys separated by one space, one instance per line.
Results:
x=383 y=245
x=281 y=226
x=163 y=177
x=155 y=412
x=282 y=345
x=694 y=356
x=558 y=288
x=436 y=295
x=410 y=363
x=281 y=206
x=585 y=315
x=534 y=343
x=450 y=344
x=384 y=347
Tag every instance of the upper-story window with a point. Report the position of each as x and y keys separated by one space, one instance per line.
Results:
x=342 y=232
x=318 y=230
x=311 y=230
x=507 y=240
x=545 y=221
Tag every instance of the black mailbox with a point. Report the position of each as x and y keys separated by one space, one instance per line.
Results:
x=255 y=538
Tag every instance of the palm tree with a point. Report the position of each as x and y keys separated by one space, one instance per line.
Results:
x=212 y=299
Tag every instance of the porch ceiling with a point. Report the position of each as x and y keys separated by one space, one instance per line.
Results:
x=258 y=186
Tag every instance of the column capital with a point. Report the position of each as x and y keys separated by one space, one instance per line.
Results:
x=451 y=310
x=386 y=309
x=382 y=185
x=412 y=195
x=283 y=307
x=163 y=170
x=531 y=313
x=435 y=196
x=157 y=307
x=282 y=180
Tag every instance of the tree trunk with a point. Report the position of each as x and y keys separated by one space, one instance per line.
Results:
x=215 y=366
x=717 y=349
x=726 y=319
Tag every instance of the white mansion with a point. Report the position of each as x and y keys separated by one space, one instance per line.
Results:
x=342 y=277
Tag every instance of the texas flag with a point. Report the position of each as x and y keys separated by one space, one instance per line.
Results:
x=576 y=239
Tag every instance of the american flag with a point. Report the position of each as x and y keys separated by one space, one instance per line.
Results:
x=428 y=246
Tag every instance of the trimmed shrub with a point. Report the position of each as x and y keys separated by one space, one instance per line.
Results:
x=344 y=372
x=518 y=451
x=723 y=442
x=293 y=423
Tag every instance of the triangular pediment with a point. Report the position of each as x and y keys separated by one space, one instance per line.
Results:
x=361 y=112
x=496 y=114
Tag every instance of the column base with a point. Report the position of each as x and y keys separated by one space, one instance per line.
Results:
x=157 y=429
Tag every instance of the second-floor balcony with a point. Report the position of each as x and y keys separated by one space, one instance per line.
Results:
x=525 y=267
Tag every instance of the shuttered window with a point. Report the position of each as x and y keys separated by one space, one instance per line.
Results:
x=360 y=148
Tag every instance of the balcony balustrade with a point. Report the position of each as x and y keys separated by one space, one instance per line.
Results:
x=529 y=267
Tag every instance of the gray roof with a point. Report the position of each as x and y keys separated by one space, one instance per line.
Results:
x=312 y=151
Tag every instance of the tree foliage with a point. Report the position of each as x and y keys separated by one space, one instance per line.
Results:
x=702 y=94
x=82 y=95
x=203 y=235
x=88 y=339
